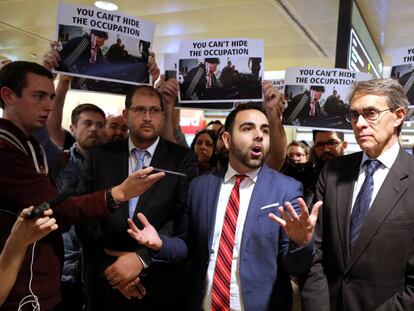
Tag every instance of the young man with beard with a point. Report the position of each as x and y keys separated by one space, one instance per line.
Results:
x=114 y=259
x=240 y=258
x=326 y=146
x=87 y=127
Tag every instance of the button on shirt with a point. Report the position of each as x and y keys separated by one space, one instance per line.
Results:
x=133 y=163
x=246 y=190
x=387 y=160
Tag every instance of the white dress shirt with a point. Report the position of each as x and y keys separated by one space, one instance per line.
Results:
x=132 y=163
x=387 y=159
x=245 y=191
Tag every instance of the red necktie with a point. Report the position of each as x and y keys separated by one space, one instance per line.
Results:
x=220 y=300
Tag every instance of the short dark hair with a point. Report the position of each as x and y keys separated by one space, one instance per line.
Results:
x=85 y=108
x=100 y=33
x=14 y=76
x=145 y=90
x=228 y=125
x=318 y=88
x=340 y=135
x=218 y=122
x=213 y=60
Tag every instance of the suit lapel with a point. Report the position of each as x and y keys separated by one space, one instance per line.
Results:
x=346 y=182
x=213 y=192
x=123 y=172
x=394 y=186
x=259 y=198
x=160 y=155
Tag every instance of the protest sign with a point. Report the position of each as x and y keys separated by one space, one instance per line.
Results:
x=100 y=86
x=170 y=65
x=102 y=45
x=317 y=97
x=220 y=70
x=278 y=84
x=402 y=69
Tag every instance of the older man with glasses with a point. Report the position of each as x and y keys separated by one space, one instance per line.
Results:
x=365 y=255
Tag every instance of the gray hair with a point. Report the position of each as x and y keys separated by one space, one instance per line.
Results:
x=389 y=88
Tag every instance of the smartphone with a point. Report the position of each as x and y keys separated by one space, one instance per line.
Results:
x=170 y=172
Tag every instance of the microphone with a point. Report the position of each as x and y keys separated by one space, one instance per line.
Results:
x=38 y=210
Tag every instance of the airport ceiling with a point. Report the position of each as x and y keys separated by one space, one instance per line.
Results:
x=27 y=25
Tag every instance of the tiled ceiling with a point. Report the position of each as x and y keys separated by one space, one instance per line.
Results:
x=27 y=25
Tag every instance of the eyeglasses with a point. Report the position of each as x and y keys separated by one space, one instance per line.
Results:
x=368 y=114
x=297 y=155
x=143 y=110
x=116 y=127
x=331 y=144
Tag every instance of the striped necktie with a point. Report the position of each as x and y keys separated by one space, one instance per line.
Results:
x=220 y=300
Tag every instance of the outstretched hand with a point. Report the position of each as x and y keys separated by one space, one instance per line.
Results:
x=299 y=228
x=148 y=236
x=136 y=184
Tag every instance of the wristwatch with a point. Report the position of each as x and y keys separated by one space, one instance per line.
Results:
x=111 y=202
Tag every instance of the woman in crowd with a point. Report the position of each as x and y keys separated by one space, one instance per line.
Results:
x=204 y=145
x=297 y=152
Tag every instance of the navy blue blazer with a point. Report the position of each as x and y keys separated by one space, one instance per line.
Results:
x=267 y=256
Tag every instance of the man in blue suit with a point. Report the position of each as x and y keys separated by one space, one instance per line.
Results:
x=253 y=273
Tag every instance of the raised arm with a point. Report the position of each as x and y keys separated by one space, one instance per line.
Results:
x=274 y=106
x=54 y=122
x=169 y=91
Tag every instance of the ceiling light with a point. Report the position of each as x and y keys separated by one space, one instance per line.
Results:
x=106 y=5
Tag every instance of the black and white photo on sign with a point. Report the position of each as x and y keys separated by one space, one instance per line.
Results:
x=100 y=86
x=402 y=69
x=170 y=65
x=318 y=97
x=98 y=45
x=220 y=70
x=220 y=79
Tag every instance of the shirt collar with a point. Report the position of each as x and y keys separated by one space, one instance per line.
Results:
x=150 y=149
x=387 y=158
x=231 y=172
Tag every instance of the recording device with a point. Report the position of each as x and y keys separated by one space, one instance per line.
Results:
x=38 y=210
x=170 y=172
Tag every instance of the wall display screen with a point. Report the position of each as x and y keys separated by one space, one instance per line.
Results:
x=355 y=47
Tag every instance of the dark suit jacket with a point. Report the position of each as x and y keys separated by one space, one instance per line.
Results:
x=379 y=274
x=107 y=166
x=266 y=255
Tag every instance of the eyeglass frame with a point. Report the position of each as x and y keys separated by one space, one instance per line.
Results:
x=141 y=110
x=331 y=144
x=353 y=116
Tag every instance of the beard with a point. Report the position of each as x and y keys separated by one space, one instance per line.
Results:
x=326 y=156
x=244 y=157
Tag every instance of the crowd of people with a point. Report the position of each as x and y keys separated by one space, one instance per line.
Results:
x=137 y=220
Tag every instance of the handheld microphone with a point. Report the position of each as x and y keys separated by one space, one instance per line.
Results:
x=38 y=210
